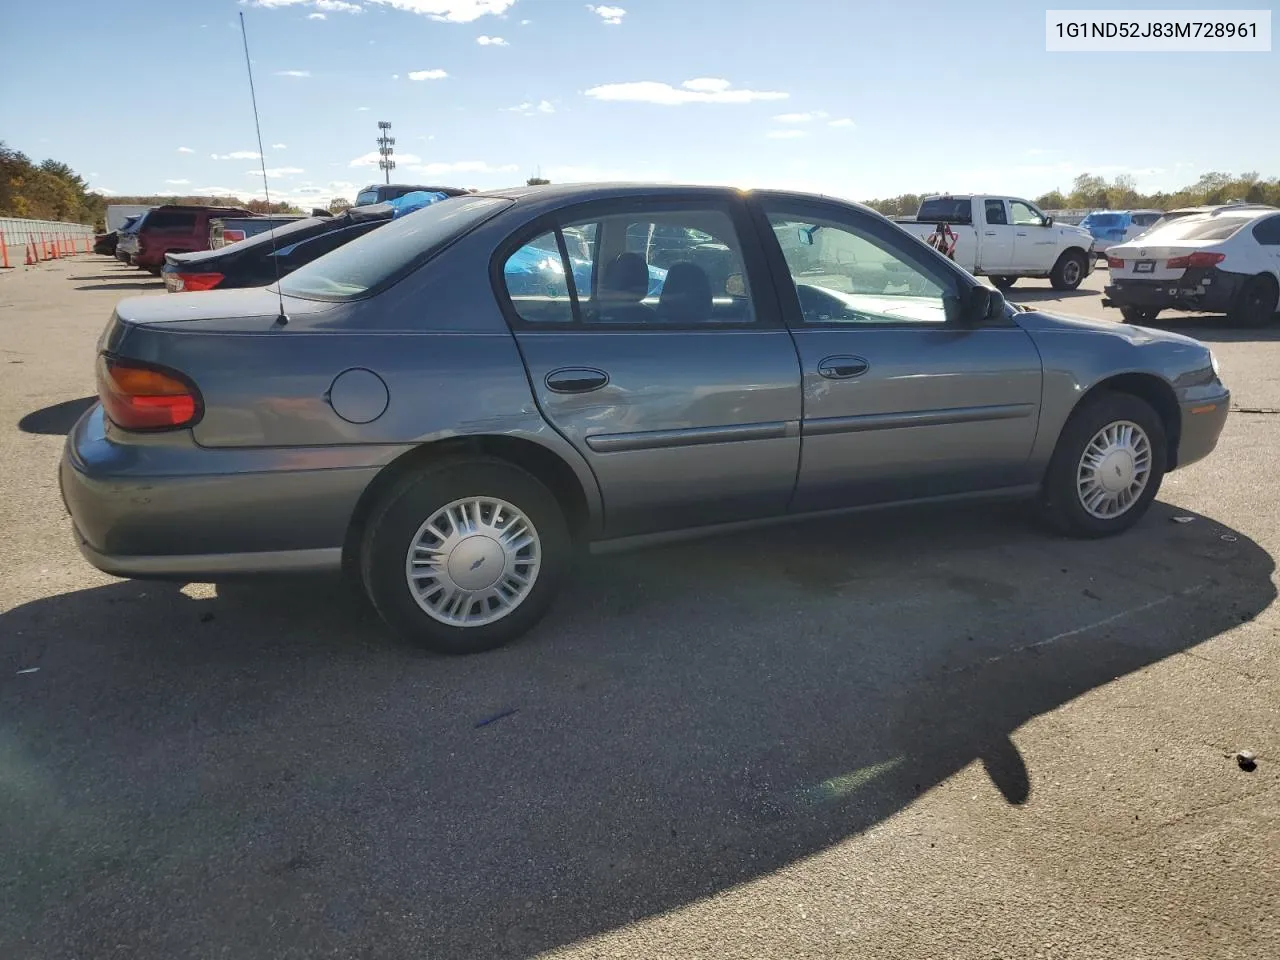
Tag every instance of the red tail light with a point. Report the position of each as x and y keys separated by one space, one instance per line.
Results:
x=142 y=396
x=183 y=282
x=1114 y=263
x=232 y=236
x=1197 y=260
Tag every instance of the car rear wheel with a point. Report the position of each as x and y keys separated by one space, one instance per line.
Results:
x=1004 y=283
x=1139 y=314
x=1255 y=305
x=466 y=555
x=1107 y=467
x=1069 y=271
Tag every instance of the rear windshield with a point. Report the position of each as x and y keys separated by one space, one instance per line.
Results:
x=946 y=210
x=1104 y=220
x=1196 y=228
x=366 y=196
x=352 y=271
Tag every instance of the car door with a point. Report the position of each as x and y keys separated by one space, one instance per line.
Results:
x=1035 y=245
x=1267 y=233
x=682 y=396
x=901 y=400
x=996 y=254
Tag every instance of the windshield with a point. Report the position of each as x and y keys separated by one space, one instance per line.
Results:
x=1195 y=228
x=384 y=255
x=1104 y=220
x=946 y=210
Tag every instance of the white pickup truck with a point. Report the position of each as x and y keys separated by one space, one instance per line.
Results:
x=1005 y=238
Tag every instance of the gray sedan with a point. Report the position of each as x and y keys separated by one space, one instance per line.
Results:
x=452 y=406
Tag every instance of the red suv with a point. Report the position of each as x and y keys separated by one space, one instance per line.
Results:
x=174 y=229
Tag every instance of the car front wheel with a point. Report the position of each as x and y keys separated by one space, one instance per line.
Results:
x=465 y=555
x=1069 y=271
x=1107 y=467
x=1004 y=283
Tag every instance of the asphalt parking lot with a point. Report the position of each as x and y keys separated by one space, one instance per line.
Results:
x=908 y=735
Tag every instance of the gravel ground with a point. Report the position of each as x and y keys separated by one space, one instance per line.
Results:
x=925 y=734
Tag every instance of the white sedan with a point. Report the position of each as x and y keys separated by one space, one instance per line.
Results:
x=1227 y=261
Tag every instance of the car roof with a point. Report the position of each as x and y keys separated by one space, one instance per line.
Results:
x=561 y=194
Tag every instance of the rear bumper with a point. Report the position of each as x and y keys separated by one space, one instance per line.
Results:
x=179 y=511
x=1202 y=423
x=1213 y=291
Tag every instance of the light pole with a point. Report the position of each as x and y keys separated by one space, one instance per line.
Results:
x=386 y=147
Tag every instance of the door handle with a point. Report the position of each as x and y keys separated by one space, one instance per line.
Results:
x=842 y=368
x=576 y=380
x=990 y=233
x=1022 y=233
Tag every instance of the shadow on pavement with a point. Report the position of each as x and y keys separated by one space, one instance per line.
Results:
x=1217 y=328
x=265 y=771
x=155 y=284
x=120 y=274
x=58 y=419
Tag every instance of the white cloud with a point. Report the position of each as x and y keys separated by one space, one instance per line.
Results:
x=789 y=134
x=707 y=84
x=315 y=16
x=185 y=150
x=436 y=74
x=842 y=122
x=372 y=158
x=461 y=166
x=528 y=108
x=216 y=191
x=105 y=191
x=801 y=117
x=700 y=90
x=293 y=73
x=237 y=155
x=362 y=109
x=450 y=11
x=395 y=76
x=332 y=6
x=276 y=172
x=525 y=23
x=492 y=42
x=278 y=146
x=610 y=15
x=176 y=183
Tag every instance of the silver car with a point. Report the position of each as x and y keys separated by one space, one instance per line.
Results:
x=452 y=406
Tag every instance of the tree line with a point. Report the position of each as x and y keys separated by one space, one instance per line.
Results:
x=1091 y=192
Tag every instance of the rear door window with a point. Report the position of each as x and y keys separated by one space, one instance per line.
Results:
x=668 y=268
x=171 y=220
x=995 y=212
x=1267 y=232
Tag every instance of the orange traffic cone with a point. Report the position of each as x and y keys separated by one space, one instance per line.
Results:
x=31 y=260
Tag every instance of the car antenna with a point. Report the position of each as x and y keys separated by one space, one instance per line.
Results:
x=262 y=158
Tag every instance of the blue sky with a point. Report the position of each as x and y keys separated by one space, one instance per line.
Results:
x=828 y=95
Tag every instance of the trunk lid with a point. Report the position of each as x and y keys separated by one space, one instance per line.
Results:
x=1142 y=262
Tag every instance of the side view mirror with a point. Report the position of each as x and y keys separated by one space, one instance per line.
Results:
x=982 y=304
x=1048 y=221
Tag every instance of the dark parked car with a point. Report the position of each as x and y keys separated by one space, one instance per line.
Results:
x=126 y=237
x=450 y=433
x=382 y=192
x=106 y=243
x=172 y=229
x=253 y=262
x=224 y=231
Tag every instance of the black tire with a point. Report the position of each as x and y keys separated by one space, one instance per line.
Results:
x=1004 y=283
x=1060 y=499
x=397 y=519
x=1069 y=272
x=1255 y=305
x=1139 y=314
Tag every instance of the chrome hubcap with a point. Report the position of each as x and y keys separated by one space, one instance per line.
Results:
x=1114 y=469
x=1071 y=271
x=473 y=561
